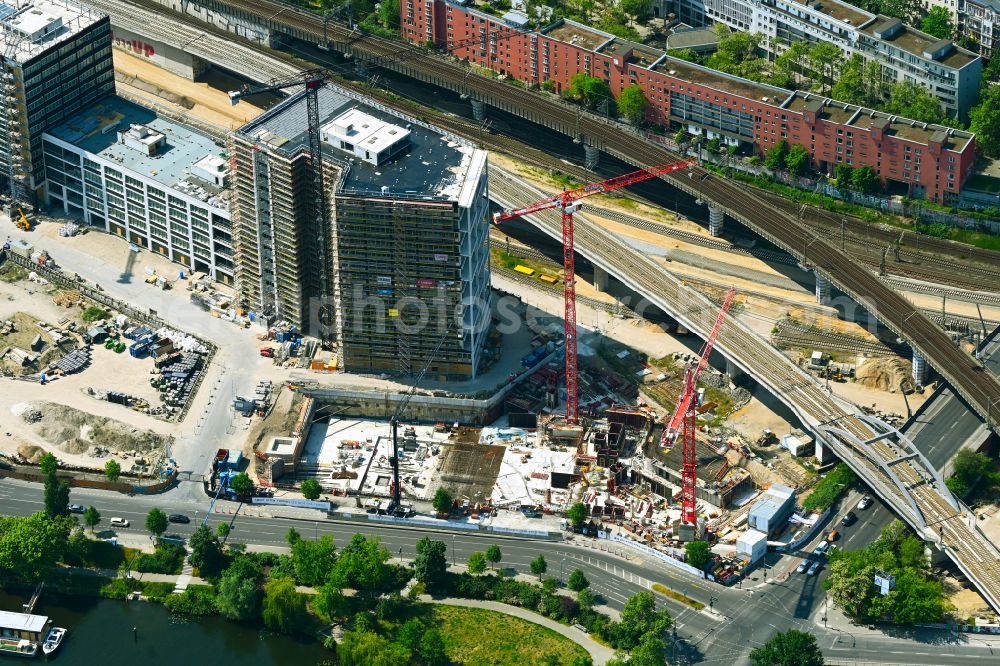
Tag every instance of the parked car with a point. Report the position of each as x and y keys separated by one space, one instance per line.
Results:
x=178 y=518
x=803 y=566
x=849 y=519
x=76 y=508
x=865 y=502
x=821 y=548
x=833 y=536
x=813 y=569
x=119 y=522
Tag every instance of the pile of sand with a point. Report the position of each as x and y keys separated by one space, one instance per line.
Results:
x=886 y=374
x=75 y=431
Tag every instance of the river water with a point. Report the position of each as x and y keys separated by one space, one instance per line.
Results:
x=100 y=634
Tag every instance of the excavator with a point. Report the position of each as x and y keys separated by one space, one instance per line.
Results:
x=22 y=222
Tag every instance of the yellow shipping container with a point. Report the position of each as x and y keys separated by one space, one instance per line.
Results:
x=524 y=269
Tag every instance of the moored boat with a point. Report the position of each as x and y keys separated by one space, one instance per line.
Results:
x=53 y=640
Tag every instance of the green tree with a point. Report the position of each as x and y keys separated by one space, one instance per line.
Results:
x=432 y=649
x=588 y=89
x=984 y=120
x=791 y=66
x=632 y=104
x=242 y=485
x=91 y=518
x=698 y=553
x=156 y=522
x=431 y=563
x=635 y=10
x=112 y=470
x=55 y=492
x=442 y=501
x=788 y=648
x=845 y=177
x=851 y=86
x=206 y=552
x=586 y=599
x=915 y=102
x=283 y=607
x=649 y=652
x=539 y=566
x=493 y=555
x=577 y=514
x=775 y=157
x=410 y=634
x=362 y=564
x=865 y=180
x=239 y=590
x=737 y=54
x=313 y=560
x=330 y=600
x=938 y=23
x=797 y=160
x=477 y=563
x=30 y=546
x=823 y=57
x=388 y=14
x=683 y=54
x=916 y=598
x=366 y=648
x=639 y=617
x=222 y=530
x=577 y=581
x=310 y=489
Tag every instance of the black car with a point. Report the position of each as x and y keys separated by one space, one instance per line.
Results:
x=178 y=518
x=849 y=519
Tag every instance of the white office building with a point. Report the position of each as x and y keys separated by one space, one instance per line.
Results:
x=158 y=183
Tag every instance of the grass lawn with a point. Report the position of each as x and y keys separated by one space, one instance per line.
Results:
x=476 y=636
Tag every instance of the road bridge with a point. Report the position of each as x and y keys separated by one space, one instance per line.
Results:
x=894 y=468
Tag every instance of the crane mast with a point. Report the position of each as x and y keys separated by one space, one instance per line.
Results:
x=685 y=418
x=568 y=202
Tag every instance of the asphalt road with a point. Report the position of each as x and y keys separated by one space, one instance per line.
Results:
x=940 y=431
x=745 y=617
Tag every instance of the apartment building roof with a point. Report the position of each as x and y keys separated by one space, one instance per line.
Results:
x=434 y=165
x=577 y=34
x=726 y=83
x=127 y=134
x=640 y=54
x=840 y=11
x=28 y=28
x=862 y=118
x=692 y=38
x=917 y=43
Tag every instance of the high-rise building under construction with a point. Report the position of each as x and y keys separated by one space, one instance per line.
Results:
x=56 y=61
x=401 y=270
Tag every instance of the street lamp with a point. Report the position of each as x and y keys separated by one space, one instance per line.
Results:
x=452 y=550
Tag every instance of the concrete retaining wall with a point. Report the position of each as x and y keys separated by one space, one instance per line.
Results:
x=162 y=55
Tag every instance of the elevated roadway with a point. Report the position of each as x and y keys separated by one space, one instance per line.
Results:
x=896 y=470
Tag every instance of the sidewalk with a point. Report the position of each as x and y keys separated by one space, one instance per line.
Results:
x=599 y=653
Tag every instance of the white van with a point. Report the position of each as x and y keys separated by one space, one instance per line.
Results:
x=119 y=522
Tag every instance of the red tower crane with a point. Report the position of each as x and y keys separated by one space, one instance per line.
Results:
x=568 y=203
x=685 y=418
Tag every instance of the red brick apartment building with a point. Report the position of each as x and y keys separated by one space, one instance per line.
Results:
x=929 y=161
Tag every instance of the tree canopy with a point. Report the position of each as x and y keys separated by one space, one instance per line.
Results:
x=938 y=23
x=313 y=560
x=797 y=160
x=984 y=120
x=242 y=485
x=632 y=104
x=112 y=470
x=239 y=591
x=477 y=563
x=55 y=492
x=539 y=566
x=361 y=564
x=442 y=501
x=638 y=618
x=311 y=489
x=577 y=581
x=493 y=554
x=737 y=54
x=30 y=546
x=283 y=606
x=698 y=553
x=788 y=648
x=577 y=514
x=206 y=552
x=91 y=517
x=912 y=101
x=431 y=562
x=156 y=522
